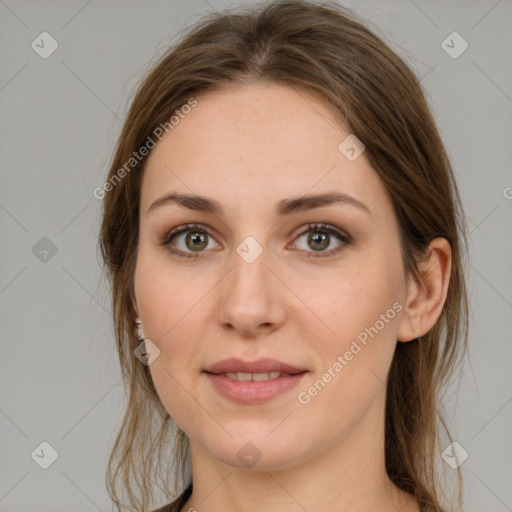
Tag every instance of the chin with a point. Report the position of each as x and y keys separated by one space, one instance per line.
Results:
x=258 y=452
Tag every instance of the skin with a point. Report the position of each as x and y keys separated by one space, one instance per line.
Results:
x=249 y=147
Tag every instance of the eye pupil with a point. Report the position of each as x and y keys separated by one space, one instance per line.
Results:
x=319 y=238
x=198 y=240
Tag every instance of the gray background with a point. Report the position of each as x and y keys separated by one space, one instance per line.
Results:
x=59 y=379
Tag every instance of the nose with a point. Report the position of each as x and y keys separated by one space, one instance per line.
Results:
x=250 y=299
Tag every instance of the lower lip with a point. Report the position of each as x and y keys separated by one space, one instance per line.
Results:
x=253 y=392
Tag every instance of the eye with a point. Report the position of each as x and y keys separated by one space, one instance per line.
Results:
x=320 y=237
x=195 y=240
x=197 y=237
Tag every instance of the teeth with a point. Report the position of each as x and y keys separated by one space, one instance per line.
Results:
x=265 y=376
x=242 y=376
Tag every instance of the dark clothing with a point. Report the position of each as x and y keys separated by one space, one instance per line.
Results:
x=175 y=506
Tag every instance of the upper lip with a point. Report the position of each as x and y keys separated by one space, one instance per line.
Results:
x=235 y=365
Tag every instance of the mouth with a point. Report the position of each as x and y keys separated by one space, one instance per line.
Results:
x=261 y=369
x=253 y=382
x=246 y=388
x=257 y=377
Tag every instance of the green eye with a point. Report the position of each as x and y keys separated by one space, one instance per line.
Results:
x=319 y=238
x=197 y=238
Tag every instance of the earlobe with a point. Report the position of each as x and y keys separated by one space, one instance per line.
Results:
x=140 y=331
x=425 y=299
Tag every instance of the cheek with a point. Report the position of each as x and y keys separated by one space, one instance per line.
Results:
x=172 y=305
x=359 y=309
x=167 y=296
x=351 y=366
x=341 y=304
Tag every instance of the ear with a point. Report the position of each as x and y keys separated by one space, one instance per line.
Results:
x=425 y=300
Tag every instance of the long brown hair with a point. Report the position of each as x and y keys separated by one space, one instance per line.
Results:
x=323 y=49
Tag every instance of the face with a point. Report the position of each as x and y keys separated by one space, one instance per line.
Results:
x=315 y=285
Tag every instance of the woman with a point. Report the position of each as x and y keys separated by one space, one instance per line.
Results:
x=284 y=239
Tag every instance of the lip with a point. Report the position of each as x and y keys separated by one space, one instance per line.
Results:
x=253 y=392
x=265 y=365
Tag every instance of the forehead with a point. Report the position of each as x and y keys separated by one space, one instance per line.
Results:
x=243 y=143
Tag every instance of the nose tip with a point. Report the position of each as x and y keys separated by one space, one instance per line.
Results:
x=248 y=303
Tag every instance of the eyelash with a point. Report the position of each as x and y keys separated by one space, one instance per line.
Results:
x=316 y=227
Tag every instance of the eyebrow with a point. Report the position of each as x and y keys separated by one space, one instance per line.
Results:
x=284 y=207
